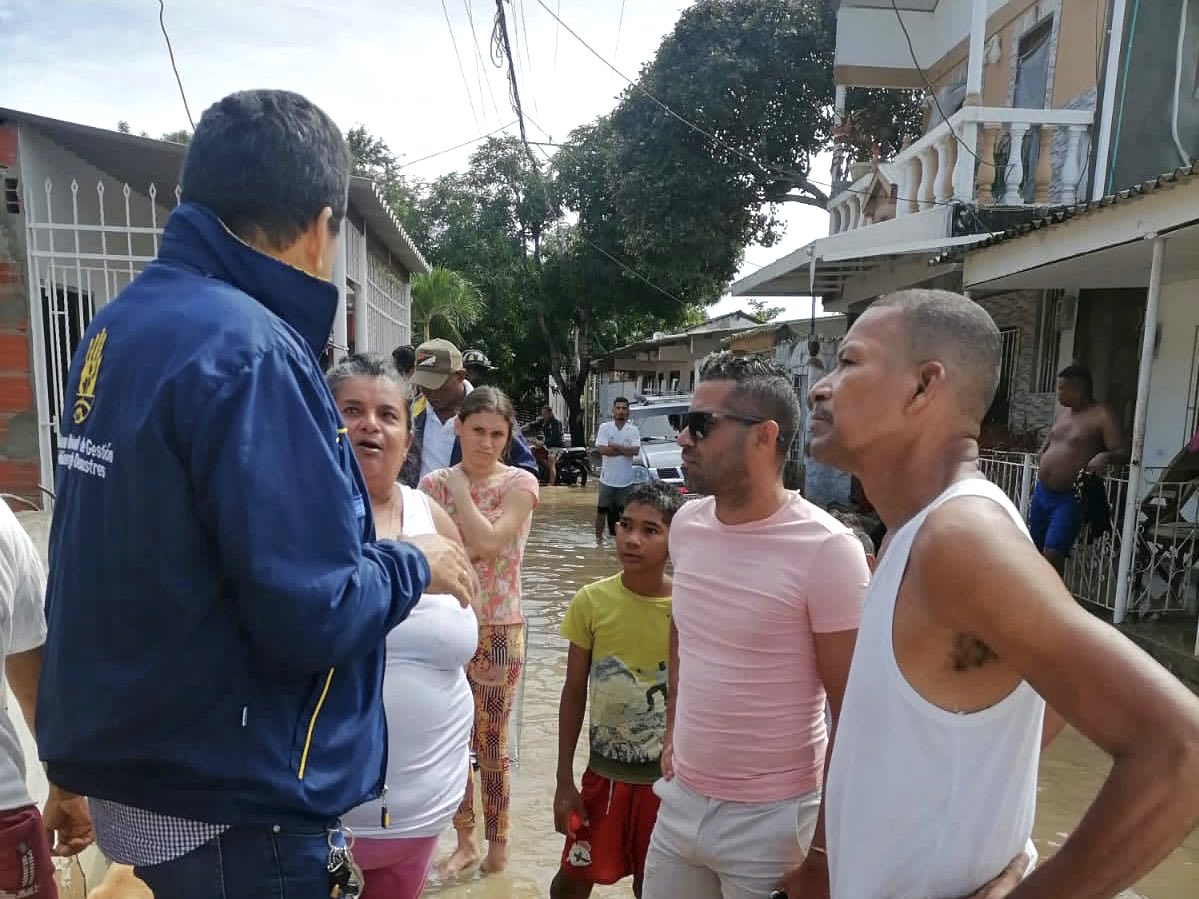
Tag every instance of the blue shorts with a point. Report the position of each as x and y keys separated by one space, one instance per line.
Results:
x=1054 y=519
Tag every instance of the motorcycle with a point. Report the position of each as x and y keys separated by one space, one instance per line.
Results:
x=572 y=466
x=569 y=465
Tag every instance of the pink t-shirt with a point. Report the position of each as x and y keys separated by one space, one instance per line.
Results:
x=749 y=715
x=499 y=599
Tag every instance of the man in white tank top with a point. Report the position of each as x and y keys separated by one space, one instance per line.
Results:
x=932 y=785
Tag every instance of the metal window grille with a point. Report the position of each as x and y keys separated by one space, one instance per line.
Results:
x=1048 y=342
x=83 y=248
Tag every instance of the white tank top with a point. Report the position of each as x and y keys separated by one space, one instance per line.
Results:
x=429 y=709
x=923 y=803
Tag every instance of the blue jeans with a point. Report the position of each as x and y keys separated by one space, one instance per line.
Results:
x=246 y=863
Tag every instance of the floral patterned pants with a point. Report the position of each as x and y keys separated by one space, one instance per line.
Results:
x=493 y=673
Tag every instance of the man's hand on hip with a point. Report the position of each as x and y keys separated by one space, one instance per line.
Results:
x=808 y=881
x=1008 y=880
x=450 y=568
x=67 y=816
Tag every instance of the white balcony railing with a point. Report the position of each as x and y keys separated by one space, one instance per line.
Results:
x=956 y=162
x=1164 y=570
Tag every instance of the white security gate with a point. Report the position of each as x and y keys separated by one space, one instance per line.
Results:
x=387 y=307
x=84 y=245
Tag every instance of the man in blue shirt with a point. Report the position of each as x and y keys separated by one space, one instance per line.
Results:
x=217 y=602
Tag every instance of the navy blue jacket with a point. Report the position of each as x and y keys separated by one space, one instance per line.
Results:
x=216 y=608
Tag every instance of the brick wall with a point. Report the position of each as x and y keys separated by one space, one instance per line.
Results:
x=1020 y=309
x=19 y=468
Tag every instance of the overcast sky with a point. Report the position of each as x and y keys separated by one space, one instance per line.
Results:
x=387 y=64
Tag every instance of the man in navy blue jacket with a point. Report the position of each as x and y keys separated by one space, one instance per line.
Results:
x=217 y=604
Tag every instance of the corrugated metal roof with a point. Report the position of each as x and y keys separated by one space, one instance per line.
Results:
x=1060 y=214
x=142 y=161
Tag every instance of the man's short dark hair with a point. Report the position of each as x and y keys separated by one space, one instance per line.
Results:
x=1078 y=374
x=762 y=390
x=266 y=163
x=404 y=358
x=657 y=495
x=955 y=331
x=619 y=400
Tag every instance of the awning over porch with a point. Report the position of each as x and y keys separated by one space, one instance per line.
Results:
x=856 y=265
x=1104 y=244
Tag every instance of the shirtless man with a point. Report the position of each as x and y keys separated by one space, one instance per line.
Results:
x=1086 y=436
x=932 y=785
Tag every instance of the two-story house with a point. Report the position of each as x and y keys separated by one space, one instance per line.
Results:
x=1038 y=188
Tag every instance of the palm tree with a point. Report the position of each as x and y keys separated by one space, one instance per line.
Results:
x=445 y=300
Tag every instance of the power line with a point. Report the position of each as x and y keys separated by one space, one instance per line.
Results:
x=797 y=178
x=619 y=25
x=932 y=91
x=500 y=40
x=557 y=34
x=162 y=23
x=465 y=143
x=480 y=67
x=461 y=70
x=579 y=231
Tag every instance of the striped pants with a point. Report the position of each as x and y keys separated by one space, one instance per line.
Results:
x=493 y=673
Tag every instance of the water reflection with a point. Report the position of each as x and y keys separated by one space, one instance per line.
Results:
x=561 y=558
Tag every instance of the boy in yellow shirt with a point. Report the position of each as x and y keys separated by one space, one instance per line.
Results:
x=619 y=633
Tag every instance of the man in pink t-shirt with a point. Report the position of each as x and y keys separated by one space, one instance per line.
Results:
x=767 y=597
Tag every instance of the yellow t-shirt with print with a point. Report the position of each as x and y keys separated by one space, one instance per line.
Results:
x=628 y=636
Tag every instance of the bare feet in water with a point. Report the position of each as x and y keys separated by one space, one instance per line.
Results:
x=465 y=856
x=497 y=858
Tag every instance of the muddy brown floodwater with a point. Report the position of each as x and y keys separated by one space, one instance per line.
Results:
x=561 y=558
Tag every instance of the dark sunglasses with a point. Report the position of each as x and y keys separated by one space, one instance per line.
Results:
x=699 y=423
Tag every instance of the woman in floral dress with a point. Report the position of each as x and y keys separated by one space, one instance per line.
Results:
x=492 y=505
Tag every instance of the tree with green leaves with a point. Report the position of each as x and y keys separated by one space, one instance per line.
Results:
x=660 y=209
x=443 y=304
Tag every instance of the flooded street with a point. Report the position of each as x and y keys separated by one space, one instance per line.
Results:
x=561 y=558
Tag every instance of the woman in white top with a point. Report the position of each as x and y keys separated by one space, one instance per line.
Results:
x=425 y=692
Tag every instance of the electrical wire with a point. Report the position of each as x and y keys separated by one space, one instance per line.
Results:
x=557 y=34
x=480 y=66
x=500 y=40
x=461 y=70
x=465 y=143
x=929 y=85
x=797 y=178
x=162 y=23
x=619 y=26
x=579 y=231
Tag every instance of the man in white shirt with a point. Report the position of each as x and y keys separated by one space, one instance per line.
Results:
x=26 y=868
x=619 y=443
x=440 y=373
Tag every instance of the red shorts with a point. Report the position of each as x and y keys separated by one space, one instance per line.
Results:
x=26 y=868
x=614 y=844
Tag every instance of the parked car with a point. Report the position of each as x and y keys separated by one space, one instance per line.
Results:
x=661 y=458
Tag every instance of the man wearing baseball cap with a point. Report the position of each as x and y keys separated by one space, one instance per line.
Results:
x=441 y=377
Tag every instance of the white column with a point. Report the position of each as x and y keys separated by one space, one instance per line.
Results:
x=340 y=332
x=1132 y=499
x=978 y=43
x=1014 y=196
x=1107 y=114
x=1071 y=169
x=963 y=171
x=856 y=207
x=839 y=103
x=834 y=220
x=361 y=307
x=928 y=177
x=906 y=193
x=943 y=184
